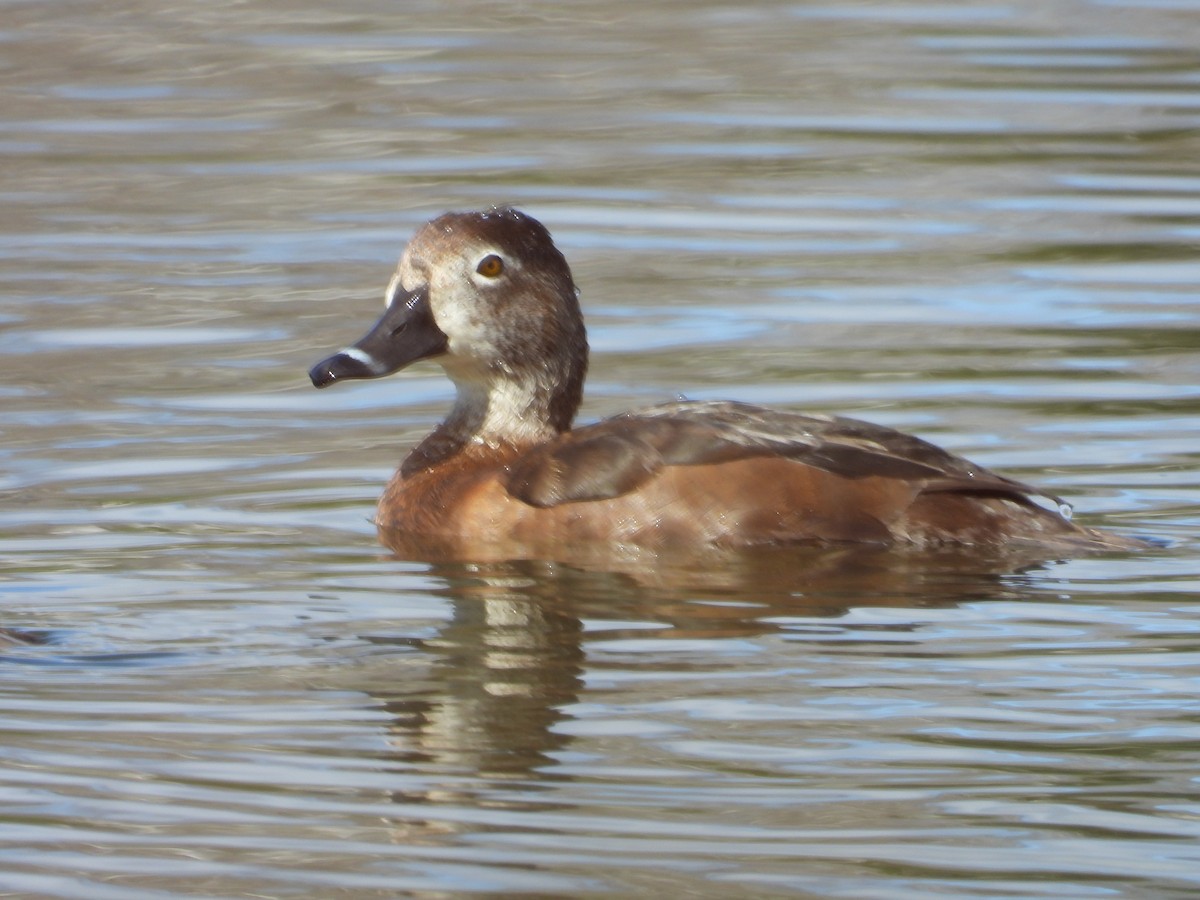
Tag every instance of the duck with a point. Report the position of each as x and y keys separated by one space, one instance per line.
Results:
x=489 y=296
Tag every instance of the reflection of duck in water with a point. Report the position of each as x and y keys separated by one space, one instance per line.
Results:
x=489 y=296
x=484 y=713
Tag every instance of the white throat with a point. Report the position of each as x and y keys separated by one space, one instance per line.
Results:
x=499 y=411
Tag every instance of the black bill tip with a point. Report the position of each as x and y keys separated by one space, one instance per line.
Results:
x=344 y=364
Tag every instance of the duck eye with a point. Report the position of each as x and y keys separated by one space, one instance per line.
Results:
x=490 y=266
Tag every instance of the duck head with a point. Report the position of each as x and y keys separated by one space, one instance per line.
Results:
x=489 y=297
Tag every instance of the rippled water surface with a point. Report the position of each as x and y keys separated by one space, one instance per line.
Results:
x=976 y=221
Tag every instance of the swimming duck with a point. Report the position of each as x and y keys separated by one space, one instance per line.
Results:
x=491 y=298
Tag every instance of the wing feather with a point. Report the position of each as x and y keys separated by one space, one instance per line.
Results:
x=617 y=455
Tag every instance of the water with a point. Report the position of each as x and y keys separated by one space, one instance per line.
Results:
x=975 y=221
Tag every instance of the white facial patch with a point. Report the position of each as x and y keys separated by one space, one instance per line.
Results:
x=393 y=288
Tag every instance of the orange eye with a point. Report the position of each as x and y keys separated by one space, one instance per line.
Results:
x=490 y=266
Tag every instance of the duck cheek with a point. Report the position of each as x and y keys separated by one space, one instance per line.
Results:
x=405 y=333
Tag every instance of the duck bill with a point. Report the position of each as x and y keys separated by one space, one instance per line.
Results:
x=405 y=333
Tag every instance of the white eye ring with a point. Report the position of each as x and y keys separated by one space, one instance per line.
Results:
x=491 y=266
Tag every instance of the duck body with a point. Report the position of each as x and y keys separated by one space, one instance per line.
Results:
x=490 y=297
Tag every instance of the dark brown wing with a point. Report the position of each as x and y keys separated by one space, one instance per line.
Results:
x=615 y=456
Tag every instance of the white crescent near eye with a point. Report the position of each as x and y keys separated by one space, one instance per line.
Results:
x=389 y=296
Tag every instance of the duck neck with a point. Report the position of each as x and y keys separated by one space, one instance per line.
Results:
x=499 y=414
